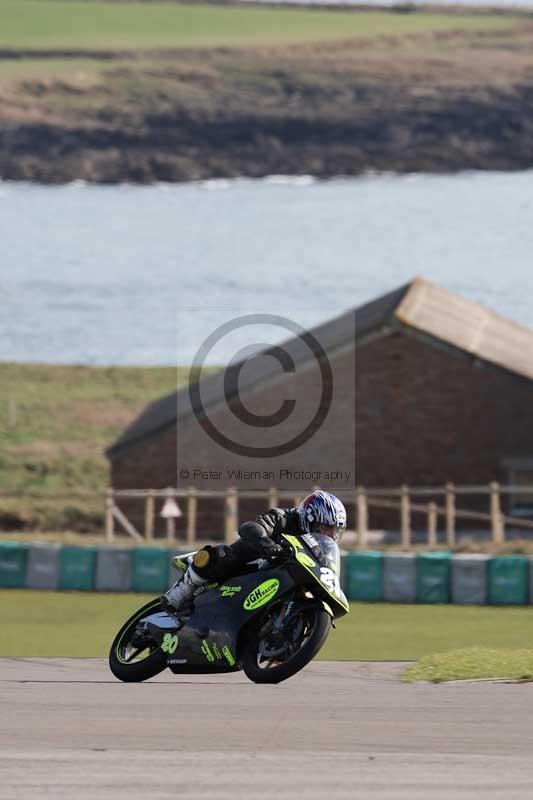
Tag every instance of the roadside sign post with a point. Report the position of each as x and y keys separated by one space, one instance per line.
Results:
x=171 y=512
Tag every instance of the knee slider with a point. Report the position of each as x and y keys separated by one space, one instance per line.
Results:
x=201 y=561
x=201 y=558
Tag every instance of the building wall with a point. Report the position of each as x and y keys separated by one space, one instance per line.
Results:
x=329 y=448
x=158 y=461
x=149 y=464
x=424 y=415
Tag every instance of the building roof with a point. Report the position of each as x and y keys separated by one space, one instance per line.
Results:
x=419 y=306
x=470 y=327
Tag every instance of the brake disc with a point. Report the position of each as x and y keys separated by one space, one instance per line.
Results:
x=272 y=652
x=287 y=640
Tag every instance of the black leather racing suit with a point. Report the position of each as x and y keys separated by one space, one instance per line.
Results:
x=257 y=540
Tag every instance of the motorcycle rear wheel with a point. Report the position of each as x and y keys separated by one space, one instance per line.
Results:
x=149 y=660
x=309 y=630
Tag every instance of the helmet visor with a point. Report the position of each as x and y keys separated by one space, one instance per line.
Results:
x=333 y=531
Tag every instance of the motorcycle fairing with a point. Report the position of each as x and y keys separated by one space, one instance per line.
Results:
x=325 y=570
x=208 y=639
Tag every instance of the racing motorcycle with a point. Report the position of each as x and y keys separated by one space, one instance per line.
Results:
x=269 y=623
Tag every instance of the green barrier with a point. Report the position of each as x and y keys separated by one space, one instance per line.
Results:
x=433 y=577
x=77 y=568
x=508 y=580
x=344 y=572
x=13 y=560
x=150 y=567
x=364 y=575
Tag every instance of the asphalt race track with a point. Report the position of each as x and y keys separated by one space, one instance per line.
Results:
x=68 y=729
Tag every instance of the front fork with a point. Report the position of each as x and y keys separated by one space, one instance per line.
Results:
x=281 y=618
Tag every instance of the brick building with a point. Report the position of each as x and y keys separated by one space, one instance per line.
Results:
x=426 y=387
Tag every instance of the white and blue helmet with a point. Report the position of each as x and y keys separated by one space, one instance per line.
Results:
x=321 y=508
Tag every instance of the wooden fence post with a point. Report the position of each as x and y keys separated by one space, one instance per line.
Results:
x=405 y=514
x=109 y=518
x=432 y=524
x=498 y=535
x=192 y=505
x=171 y=530
x=362 y=516
x=126 y=524
x=149 y=514
x=450 y=514
x=230 y=516
x=502 y=526
x=272 y=498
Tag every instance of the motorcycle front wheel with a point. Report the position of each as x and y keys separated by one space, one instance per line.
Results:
x=134 y=656
x=272 y=655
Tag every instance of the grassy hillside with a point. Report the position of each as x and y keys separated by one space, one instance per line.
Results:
x=55 y=423
x=54 y=24
x=142 y=92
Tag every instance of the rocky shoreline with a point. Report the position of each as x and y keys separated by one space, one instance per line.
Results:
x=428 y=104
x=448 y=135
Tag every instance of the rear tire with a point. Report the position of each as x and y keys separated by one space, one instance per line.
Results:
x=154 y=662
x=316 y=627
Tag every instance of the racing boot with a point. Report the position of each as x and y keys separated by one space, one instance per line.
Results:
x=180 y=595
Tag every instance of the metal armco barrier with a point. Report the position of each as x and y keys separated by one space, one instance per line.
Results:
x=399 y=578
x=42 y=570
x=469 y=579
x=368 y=576
x=113 y=570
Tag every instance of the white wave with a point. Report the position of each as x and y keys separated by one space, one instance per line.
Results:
x=290 y=180
x=214 y=184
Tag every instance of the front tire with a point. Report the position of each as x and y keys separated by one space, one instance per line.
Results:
x=266 y=660
x=132 y=659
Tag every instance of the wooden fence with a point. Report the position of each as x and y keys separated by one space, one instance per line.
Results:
x=408 y=502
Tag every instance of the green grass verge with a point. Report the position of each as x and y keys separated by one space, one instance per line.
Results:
x=100 y=25
x=384 y=631
x=472 y=663
x=76 y=624
x=83 y=624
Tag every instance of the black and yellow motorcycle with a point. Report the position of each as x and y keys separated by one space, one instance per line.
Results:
x=269 y=623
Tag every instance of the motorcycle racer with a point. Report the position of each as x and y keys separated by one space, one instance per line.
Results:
x=319 y=512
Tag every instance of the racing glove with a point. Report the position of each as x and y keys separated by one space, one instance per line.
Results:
x=255 y=536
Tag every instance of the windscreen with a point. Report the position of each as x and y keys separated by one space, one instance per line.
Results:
x=331 y=556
